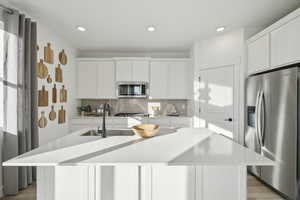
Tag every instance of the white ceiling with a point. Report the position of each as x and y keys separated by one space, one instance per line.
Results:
x=120 y=24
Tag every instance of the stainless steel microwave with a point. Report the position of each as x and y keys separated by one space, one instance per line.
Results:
x=132 y=89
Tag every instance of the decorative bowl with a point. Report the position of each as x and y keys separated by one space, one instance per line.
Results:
x=146 y=130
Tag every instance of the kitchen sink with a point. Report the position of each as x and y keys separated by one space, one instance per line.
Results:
x=120 y=132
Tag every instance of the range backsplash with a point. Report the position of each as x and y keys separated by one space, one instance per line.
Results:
x=139 y=105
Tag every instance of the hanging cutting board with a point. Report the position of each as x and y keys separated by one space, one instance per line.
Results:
x=43 y=97
x=58 y=74
x=52 y=114
x=49 y=79
x=43 y=120
x=62 y=115
x=48 y=54
x=54 y=94
x=42 y=70
x=63 y=59
x=63 y=94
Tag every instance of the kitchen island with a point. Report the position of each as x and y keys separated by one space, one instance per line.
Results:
x=177 y=164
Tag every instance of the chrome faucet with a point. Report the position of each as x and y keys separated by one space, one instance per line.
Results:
x=103 y=131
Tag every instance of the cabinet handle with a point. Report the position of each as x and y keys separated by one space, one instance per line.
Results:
x=228 y=119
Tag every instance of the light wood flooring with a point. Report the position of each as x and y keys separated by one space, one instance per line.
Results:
x=256 y=191
x=27 y=194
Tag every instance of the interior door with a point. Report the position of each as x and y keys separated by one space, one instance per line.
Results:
x=216 y=99
x=280 y=138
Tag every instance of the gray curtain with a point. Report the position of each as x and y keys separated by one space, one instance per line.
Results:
x=18 y=89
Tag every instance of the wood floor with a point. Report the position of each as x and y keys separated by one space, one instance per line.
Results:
x=256 y=191
x=27 y=194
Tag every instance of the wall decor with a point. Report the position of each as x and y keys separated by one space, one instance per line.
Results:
x=58 y=74
x=62 y=115
x=54 y=94
x=42 y=123
x=48 y=54
x=63 y=59
x=52 y=114
x=63 y=94
x=42 y=70
x=49 y=79
x=43 y=97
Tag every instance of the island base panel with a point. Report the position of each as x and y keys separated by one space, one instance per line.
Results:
x=142 y=183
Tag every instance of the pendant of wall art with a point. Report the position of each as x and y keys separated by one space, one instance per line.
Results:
x=48 y=54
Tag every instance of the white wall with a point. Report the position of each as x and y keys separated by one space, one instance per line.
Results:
x=223 y=49
x=54 y=130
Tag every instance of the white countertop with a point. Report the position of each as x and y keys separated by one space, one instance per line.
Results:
x=185 y=146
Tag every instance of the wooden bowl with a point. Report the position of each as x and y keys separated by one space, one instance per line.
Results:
x=146 y=130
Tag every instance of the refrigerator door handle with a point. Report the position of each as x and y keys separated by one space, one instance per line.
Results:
x=257 y=123
x=262 y=118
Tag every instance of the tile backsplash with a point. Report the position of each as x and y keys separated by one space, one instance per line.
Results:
x=140 y=105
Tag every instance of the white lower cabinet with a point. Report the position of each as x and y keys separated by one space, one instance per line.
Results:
x=142 y=183
x=117 y=183
x=176 y=183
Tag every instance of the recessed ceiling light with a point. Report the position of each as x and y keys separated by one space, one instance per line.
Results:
x=220 y=29
x=151 y=28
x=80 y=28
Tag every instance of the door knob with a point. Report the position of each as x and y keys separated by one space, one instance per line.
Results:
x=228 y=119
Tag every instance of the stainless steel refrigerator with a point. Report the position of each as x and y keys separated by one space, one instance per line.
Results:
x=272 y=129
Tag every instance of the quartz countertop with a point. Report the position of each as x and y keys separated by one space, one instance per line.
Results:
x=175 y=147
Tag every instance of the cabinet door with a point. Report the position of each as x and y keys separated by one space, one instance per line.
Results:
x=87 y=80
x=106 y=80
x=176 y=183
x=71 y=182
x=159 y=80
x=140 y=71
x=285 y=42
x=177 y=86
x=117 y=183
x=259 y=54
x=124 y=70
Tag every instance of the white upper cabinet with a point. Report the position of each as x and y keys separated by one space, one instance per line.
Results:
x=276 y=46
x=259 y=54
x=96 y=79
x=87 y=79
x=178 y=80
x=132 y=70
x=168 y=79
x=285 y=42
x=159 y=75
x=106 y=80
x=124 y=70
x=140 y=71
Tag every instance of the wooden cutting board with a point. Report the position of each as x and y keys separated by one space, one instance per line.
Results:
x=58 y=74
x=62 y=115
x=48 y=54
x=54 y=94
x=52 y=114
x=43 y=120
x=63 y=59
x=43 y=97
x=49 y=79
x=42 y=70
x=63 y=94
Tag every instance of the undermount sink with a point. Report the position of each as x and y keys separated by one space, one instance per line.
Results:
x=121 y=132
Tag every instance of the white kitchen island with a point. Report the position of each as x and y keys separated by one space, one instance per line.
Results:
x=182 y=164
